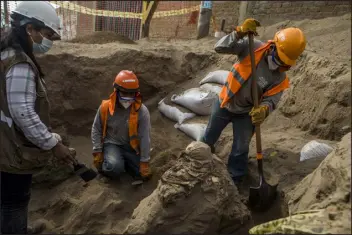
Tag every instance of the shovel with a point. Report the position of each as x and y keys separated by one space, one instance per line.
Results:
x=262 y=196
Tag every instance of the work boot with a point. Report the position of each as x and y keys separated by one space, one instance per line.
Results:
x=37 y=227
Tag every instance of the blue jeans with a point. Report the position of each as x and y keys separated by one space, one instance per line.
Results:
x=119 y=159
x=15 y=196
x=243 y=130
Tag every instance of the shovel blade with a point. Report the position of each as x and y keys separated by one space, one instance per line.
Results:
x=263 y=196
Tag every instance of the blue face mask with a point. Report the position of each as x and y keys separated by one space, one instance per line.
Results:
x=42 y=47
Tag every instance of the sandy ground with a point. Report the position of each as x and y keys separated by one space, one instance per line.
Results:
x=80 y=75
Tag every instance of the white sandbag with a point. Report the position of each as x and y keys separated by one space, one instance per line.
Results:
x=197 y=100
x=174 y=113
x=314 y=149
x=210 y=87
x=194 y=130
x=218 y=76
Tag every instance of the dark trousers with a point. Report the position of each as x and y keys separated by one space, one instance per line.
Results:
x=243 y=131
x=15 y=196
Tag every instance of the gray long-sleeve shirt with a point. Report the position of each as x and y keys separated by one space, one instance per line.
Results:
x=117 y=131
x=242 y=102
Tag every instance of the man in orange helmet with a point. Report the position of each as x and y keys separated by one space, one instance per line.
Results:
x=235 y=103
x=121 y=131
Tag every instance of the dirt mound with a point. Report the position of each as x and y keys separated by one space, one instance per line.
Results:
x=321 y=202
x=102 y=38
x=329 y=184
x=319 y=100
x=77 y=90
x=329 y=37
x=96 y=207
x=196 y=195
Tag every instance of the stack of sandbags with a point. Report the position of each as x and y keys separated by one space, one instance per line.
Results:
x=198 y=100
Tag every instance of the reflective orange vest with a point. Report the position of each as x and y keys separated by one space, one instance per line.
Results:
x=108 y=107
x=240 y=72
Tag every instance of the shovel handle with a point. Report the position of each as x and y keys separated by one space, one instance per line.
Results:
x=255 y=95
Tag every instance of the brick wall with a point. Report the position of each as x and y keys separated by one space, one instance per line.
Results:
x=166 y=27
x=173 y=26
x=85 y=22
x=227 y=10
x=269 y=12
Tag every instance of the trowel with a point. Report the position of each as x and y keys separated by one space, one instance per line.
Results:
x=262 y=196
x=82 y=170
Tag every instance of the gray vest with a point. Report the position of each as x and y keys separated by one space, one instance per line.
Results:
x=17 y=154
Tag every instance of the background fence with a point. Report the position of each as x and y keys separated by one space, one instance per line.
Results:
x=172 y=19
x=177 y=19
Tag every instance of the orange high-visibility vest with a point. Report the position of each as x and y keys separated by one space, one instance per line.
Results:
x=108 y=107
x=240 y=72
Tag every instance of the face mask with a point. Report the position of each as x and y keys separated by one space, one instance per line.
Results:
x=272 y=64
x=42 y=47
x=126 y=103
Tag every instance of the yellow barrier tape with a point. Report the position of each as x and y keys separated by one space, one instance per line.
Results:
x=159 y=14
x=85 y=10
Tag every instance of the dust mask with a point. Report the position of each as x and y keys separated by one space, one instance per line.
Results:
x=42 y=47
x=272 y=64
x=126 y=103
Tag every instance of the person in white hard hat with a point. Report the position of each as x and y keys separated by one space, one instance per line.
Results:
x=27 y=142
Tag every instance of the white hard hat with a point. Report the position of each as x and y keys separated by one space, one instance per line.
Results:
x=39 y=10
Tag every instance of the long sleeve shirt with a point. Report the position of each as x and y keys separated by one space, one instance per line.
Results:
x=21 y=97
x=242 y=102
x=117 y=131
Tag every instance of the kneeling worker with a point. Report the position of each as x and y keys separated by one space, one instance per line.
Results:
x=121 y=131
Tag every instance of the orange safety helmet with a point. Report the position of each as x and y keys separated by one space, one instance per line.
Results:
x=290 y=43
x=126 y=81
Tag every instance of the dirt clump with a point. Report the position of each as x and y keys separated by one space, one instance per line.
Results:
x=102 y=38
x=196 y=195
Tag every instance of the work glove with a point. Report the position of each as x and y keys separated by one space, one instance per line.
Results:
x=259 y=114
x=144 y=170
x=98 y=159
x=249 y=25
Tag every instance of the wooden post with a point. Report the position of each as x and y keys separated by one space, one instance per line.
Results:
x=149 y=8
x=204 y=19
x=6 y=14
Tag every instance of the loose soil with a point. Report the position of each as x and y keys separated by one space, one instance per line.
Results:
x=79 y=76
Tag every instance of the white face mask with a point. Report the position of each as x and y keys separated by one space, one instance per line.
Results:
x=126 y=103
x=42 y=47
x=271 y=63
